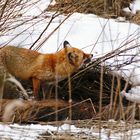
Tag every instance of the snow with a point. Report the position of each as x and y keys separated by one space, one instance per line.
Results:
x=135 y=6
x=133 y=94
x=36 y=7
x=85 y=31
x=18 y=132
x=34 y=131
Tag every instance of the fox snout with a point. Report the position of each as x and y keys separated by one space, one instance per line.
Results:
x=88 y=58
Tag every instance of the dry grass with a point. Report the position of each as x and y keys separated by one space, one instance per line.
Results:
x=105 y=8
x=136 y=18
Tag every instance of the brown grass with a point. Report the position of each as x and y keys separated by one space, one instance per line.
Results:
x=108 y=8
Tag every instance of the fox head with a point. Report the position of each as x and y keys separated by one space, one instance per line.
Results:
x=76 y=56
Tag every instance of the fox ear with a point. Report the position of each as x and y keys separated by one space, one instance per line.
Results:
x=66 y=44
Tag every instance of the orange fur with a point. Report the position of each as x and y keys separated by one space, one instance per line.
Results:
x=29 y=64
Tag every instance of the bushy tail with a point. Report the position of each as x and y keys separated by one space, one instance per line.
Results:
x=10 y=110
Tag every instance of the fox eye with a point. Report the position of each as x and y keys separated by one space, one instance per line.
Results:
x=72 y=57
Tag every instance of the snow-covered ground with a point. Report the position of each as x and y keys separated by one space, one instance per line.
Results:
x=35 y=132
x=88 y=32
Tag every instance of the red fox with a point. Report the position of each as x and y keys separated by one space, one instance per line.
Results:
x=28 y=64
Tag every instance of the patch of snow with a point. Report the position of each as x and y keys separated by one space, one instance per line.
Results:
x=133 y=94
x=17 y=132
x=33 y=132
x=89 y=32
x=35 y=7
x=135 y=6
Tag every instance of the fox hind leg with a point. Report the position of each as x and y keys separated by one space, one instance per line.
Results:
x=36 y=86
